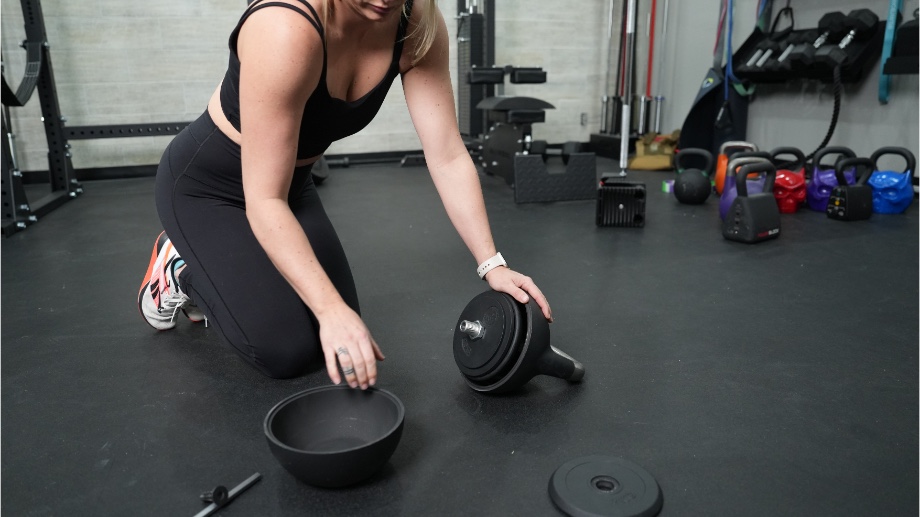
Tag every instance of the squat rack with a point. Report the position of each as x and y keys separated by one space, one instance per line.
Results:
x=18 y=212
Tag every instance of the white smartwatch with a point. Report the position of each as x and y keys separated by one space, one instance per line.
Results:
x=490 y=264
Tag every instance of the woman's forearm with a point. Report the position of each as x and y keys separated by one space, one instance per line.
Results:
x=457 y=183
x=287 y=246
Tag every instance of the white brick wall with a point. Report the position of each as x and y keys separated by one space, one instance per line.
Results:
x=127 y=62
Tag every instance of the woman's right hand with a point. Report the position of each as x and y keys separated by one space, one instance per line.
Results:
x=347 y=342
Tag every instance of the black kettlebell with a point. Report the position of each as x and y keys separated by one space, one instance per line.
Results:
x=500 y=344
x=692 y=186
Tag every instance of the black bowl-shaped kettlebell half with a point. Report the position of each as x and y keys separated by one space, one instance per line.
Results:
x=335 y=436
x=500 y=344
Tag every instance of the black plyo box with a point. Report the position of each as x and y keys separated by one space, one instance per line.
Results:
x=620 y=203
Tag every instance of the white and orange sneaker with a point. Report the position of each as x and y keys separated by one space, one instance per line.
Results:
x=160 y=299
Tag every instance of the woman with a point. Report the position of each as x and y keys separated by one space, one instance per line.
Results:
x=249 y=243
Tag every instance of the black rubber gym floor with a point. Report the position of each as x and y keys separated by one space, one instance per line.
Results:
x=770 y=379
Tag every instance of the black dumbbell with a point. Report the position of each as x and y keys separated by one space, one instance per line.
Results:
x=832 y=27
x=541 y=148
x=765 y=47
x=861 y=24
x=794 y=39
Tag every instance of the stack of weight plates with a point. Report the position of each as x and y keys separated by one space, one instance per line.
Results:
x=488 y=359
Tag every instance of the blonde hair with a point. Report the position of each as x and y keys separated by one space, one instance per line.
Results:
x=423 y=32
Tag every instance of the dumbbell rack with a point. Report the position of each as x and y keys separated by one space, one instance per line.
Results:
x=861 y=57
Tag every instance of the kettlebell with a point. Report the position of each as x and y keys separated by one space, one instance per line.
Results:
x=851 y=202
x=722 y=164
x=730 y=189
x=500 y=344
x=824 y=178
x=789 y=189
x=692 y=186
x=892 y=191
x=753 y=217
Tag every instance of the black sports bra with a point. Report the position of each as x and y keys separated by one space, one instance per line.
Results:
x=325 y=118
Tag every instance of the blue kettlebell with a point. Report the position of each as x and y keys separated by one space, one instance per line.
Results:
x=892 y=191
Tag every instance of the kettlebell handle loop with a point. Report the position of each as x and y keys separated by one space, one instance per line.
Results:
x=900 y=151
x=798 y=164
x=693 y=151
x=737 y=144
x=746 y=157
x=861 y=179
x=844 y=152
x=755 y=168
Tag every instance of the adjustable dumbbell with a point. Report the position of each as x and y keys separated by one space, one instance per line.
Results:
x=832 y=27
x=861 y=24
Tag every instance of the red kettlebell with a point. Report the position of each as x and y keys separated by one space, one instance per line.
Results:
x=789 y=189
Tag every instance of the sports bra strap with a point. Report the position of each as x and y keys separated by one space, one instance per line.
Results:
x=401 y=32
x=255 y=6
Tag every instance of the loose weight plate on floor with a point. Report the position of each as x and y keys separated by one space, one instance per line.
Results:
x=604 y=486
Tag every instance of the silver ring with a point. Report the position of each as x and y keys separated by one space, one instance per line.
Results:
x=348 y=371
x=341 y=351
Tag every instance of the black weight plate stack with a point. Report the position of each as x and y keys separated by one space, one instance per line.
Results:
x=604 y=486
x=486 y=357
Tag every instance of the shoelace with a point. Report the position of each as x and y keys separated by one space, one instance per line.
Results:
x=173 y=302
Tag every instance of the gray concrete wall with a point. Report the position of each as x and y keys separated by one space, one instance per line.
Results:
x=123 y=62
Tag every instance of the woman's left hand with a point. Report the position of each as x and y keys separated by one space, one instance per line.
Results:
x=520 y=287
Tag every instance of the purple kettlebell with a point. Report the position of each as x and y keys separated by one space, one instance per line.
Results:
x=730 y=190
x=824 y=178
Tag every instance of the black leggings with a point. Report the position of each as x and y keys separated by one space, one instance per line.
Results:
x=199 y=198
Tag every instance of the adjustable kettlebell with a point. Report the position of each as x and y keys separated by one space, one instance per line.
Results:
x=500 y=344
x=851 y=202
x=692 y=186
x=722 y=163
x=892 y=191
x=824 y=179
x=789 y=189
x=755 y=217
x=730 y=192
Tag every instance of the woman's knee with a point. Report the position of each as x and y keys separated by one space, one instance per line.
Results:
x=284 y=357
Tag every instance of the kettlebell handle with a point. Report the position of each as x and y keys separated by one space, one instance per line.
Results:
x=861 y=179
x=748 y=158
x=900 y=151
x=693 y=151
x=737 y=144
x=556 y=363
x=798 y=164
x=843 y=151
x=745 y=157
x=755 y=168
